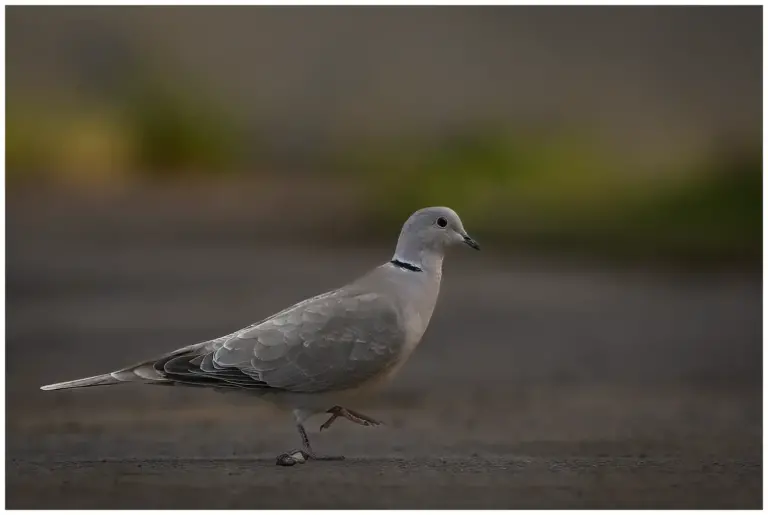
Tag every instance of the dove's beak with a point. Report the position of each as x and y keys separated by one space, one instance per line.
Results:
x=472 y=243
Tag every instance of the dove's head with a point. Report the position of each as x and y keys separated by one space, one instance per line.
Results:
x=430 y=231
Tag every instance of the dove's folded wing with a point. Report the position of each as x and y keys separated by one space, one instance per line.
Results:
x=330 y=342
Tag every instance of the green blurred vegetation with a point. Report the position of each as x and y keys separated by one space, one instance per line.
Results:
x=565 y=190
x=178 y=130
x=151 y=130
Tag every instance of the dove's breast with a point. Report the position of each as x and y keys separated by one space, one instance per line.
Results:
x=413 y=295
x=417 y=302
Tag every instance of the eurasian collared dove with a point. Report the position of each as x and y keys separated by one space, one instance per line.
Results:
x=315 y=355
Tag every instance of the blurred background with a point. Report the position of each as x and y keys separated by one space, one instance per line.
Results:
x=175 y=173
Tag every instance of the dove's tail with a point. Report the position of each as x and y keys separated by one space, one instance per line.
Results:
x=143 y=373
x=101 y=380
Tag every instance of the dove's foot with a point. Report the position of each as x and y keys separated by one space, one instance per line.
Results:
x=303 y=455
x=298 y=456
x=292 y=458
x=354 y=416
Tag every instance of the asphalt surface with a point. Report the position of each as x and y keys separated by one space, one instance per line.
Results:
x=539 y=384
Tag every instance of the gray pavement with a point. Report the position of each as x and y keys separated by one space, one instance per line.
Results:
x=540 y=384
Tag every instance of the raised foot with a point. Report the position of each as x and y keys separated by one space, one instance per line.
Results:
x=297 y=457
x=353 y=416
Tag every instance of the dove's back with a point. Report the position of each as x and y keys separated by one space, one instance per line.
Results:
x=334 y=341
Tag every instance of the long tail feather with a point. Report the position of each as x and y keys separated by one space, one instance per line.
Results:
x=141 y=373
x=101 y=380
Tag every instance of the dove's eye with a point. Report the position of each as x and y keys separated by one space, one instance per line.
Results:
x=442 y=222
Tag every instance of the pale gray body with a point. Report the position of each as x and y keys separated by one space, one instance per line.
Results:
x=323 y=351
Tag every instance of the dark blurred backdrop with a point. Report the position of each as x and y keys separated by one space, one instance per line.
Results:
x=630 y=130
x=174 y=173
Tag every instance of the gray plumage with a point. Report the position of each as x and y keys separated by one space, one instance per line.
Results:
x=313 y=352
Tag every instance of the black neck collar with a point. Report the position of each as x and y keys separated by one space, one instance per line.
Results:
x=405 y=266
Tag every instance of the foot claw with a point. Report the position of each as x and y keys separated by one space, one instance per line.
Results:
x=292 y=458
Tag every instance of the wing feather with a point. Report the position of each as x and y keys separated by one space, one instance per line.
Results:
x=332 y=342
x=329 y=342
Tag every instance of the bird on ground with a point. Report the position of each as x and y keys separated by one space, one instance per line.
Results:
x=321 y=354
